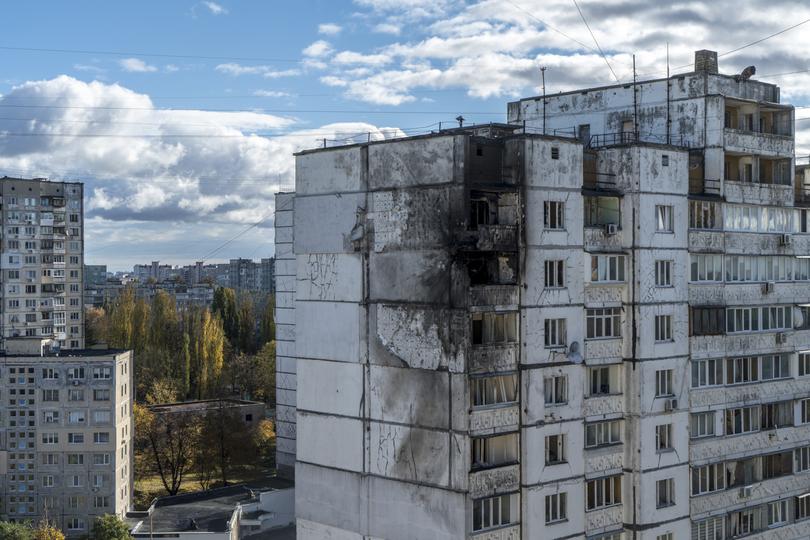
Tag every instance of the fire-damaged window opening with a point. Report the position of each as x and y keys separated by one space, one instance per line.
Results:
x=493 y=328
x=497 y=451
x=601 y=211
x=494 y=390
x=492 y=269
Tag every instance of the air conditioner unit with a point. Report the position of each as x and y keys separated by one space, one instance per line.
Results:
x=784 y=240
x=611 y=229
x=781 y=338
x=768 y=287
x=671 y=405
x=745 y=491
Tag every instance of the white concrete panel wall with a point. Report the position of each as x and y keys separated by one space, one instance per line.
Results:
x=285 y=334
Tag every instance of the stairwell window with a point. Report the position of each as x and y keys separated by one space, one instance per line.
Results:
x=554 y=333
x=663 y=328
x=663 y=273
x=663 y=437
x=554 y=274
x=554 y=215
x=555 y=390
x=556 y=508
x=663 y=218
x=665 y=492
x=663 y=383
x=555 y=449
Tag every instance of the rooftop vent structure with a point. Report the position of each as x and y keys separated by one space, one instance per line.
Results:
x=706 y=61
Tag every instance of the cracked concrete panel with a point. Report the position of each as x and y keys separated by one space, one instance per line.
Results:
x=330 y=276
x=663 y=170
x=576 y=264
x=535 y=231
x=416 y=162
x=418 y=337
x=532 y=394
x=329 y=497
x=410 y=396
x=412 y=276
x=331 y=387
x=324 y=223
x=329 y=331
x=402 y=511
x=330 y=441
x=532 y=332
x=533 y=442
x=338 y=170
x=565 y=172
x=413 y=219
x=408 y=453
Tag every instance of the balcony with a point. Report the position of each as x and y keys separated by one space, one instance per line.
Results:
x=494 y=420
x=489 y=238
x=492 y=358
x=603 y=349
x=599 y=238
x=604 y=518
x=509 y=532
x=495 y=481
x=712 y=449
x=771 y=144
x=600 y=461
x=494 y=296
x=749 y=344
x=602 y=405
x=760 y=491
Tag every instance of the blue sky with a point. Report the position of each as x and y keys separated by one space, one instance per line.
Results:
x=183 y=138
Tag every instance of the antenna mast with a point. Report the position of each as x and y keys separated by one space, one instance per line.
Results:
x=543 y=76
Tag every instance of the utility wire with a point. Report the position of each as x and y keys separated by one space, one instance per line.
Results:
x=155 y=55
x=584 y=20
x=224 y=244
x=547 y=25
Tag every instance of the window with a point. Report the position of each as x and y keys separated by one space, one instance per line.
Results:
x=555 y=274
x=554 y=333
x=75 y=524
x=707 y=372
x=556 y=509
x=495 y=512
x=75 y=373
x=665 y=536
x=603 y=380
x=101 y=501
x=701 y=424
x=663 y=328
x=805 y=410
x=487 y=328
x=607 y=268
x=75 y=395
x=777 y=513
x=776 y=465
x=101 y=459
x=487 y=452
x=665 y=160
x=776 y=415
x=663 y=383
x=706 y=267
x=555 y=449
x=742 y=420
x=603 y=433
x=101 y=437
x=102 y=417
x=803 y=506
x=707 y=321
x=495 y=390
x=665 y=492
x=600 y=211
x=101 y=394
x=75 y=459
x=708 y=478
x=50 y=395
x=663 y=218
x=554 y=215
x=555 y=152
x=75 y=438
x=804 y=364
x=776 y=366
x=663 y=273
x=603 y=492
x=742 y=370
x=709 y=529
x=555 y=390
x=743 y=522
x=663 y=437
x=50 y=438
x=47 y=481
x=76 y=417
x=756 y=319
x=102 y=373
x=603 y=323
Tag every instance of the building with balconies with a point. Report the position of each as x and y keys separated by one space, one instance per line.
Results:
x=66 y=437
x=41 y=261
x=599 y=333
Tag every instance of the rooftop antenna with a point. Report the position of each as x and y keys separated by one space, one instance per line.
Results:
x=460 y=120
x=669 y=84
x=543 y=76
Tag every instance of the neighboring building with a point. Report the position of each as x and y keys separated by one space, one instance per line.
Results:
x=42 y=258
x=264 y=512
x=66 y=436
x=251 y=412
x=244 y=275
x=493 y=333
x=95 y=274
x=267 y=268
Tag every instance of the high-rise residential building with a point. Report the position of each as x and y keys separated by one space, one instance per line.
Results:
x=267 y=280
x=530 y=330
x=65 y=437
x=95 y=274
x=244 y=275
x=42 y=260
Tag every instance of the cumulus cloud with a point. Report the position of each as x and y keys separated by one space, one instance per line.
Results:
x=147 y=165
x=318 y=49
x=270 y=93
x=215 y=9
x=136 y=65
x=267 y=72
x=387 y=28
x=329 y=29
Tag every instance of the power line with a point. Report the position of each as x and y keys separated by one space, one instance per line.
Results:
x=582 y=16
x=764 y=39
x=224 y=244
x=547 y=25
x=151 y=55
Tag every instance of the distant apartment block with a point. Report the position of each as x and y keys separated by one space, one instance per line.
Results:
x=41 y=258
x=95 y=274
x=592 y=322
x=66 y=435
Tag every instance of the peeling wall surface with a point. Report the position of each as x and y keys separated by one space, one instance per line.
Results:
x=512 y=320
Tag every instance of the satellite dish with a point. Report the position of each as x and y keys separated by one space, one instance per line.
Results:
x=746 y=74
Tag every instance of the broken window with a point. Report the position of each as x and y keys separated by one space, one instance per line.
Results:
x=604 y=380
x=601 y=211
x=555 y=449
x=492 y=269
x=708 y=478
x=742 y=472
x=742 y=420
x=492 y=328
x=663 y=218
x=776 y=415
x=494 y=390
x=488 y=452
x=776 y=465
x=603 y=492
x=705 y=215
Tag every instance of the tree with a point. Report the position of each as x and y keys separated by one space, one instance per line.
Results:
x=267 y=327
x=254 y=376
x=119 y=329
x=95 y=322
x=206 y=351
x=44 y=531
x=224 y=306
x=229 y=436
x=110 y=527
x=15 y=531
x=246 y=325
x=264 y=439
x=165 y=443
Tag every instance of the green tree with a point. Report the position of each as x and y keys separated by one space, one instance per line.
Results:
x=246 y=325
x=119 y=327
x=44 y=531
x=166 y=444
x=267 y=327
x=110 y=527
x=206 y=351
x=15 y=531
x=95 y=322
x=163 y=321
x=225 y=307
x=231 y=439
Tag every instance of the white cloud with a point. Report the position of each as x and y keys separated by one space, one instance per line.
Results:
x=270 y=93
x=215 y=8
x=318 y=49
x=136 y=65
x=330 y=80
x=387 y=28
x=329 y=29
x=171 y=68
x=272 y=74
x=351 y=57
x=265 y=71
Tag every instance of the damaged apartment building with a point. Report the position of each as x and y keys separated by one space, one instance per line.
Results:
x=533 y=330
